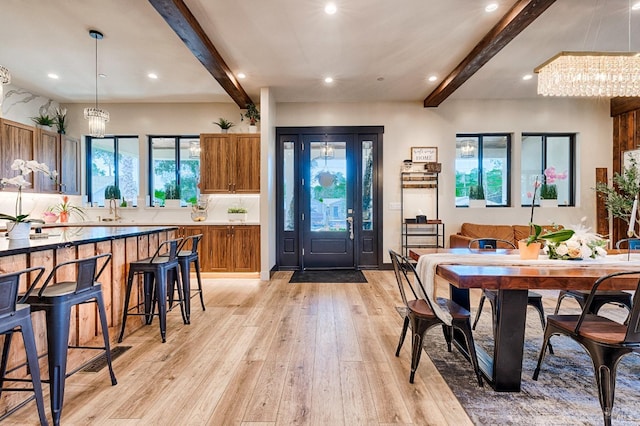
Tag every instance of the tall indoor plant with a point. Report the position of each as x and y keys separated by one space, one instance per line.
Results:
x=253 y=115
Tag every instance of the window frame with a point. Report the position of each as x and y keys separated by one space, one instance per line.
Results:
x=116 y=166
x=480 y=137
x=176 y=140
x=571 y=175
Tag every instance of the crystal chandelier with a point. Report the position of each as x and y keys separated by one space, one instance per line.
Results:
x=604 y=74
x=467 y=149
x=97 y=117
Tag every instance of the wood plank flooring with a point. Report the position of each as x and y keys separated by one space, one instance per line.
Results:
x=267 y=353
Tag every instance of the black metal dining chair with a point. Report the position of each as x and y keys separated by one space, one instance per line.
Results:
x=618 y=298
x=605 y=340
x=15 y=316
x=533 y=299
x=420 y=316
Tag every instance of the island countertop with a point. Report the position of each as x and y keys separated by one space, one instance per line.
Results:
x=68 y=236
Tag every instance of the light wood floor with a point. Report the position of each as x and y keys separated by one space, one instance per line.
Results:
x=268 y=353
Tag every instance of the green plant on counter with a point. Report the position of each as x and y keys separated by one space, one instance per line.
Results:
x=66 y=207
x=236 y=210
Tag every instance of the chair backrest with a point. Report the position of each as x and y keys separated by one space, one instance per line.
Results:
x=9 y=287
x=87 y=272
x=490 y=244
x=633 y=323
x=168 y=249
x=194 y=239
x=407 y=278
x=628 y=243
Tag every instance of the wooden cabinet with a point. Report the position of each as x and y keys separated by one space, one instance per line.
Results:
x=16 y=141
x=46 y=150
x=229 y=163
x=70 y=165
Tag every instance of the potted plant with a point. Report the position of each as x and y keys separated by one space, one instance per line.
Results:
x=171 y=195
x=476 y=196
x=237 y=214
x=224 y=124
x=548 y=189
x=60 y=120
x=254 y=116
x=44 y=120
x=66 y=209
x=618 y=198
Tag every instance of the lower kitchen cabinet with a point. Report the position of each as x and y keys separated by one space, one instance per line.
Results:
x=227 y=248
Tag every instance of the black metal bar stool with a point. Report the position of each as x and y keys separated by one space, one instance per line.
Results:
x=15 y=315
x=57 y=300
x=159 y=272
x=186 y=256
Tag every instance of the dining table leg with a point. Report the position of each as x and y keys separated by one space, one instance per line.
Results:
x=503 y=370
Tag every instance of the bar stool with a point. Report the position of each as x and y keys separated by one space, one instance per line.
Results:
x=16 y=316
x=57 y=300
x=158 y=271
x=186 y=256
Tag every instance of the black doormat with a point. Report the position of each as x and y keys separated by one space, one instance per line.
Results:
x=100 y=362
x=333 y=276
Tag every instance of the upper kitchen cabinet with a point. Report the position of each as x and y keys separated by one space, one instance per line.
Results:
x=229 y=163
x=46 y=150
x=70 y=168
x=17 y=141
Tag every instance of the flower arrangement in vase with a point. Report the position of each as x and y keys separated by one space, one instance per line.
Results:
x=582 y=244
x=14 y=227
x=66 y=209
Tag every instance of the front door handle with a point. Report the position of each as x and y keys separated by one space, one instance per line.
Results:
x=350 y=220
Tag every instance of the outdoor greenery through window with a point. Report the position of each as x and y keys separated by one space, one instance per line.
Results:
x=174 y=168
x=113 y=160
x=483 y=161
x=550 y=158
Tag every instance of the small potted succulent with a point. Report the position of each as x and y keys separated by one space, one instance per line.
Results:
x=224 y=124
x=237 y=214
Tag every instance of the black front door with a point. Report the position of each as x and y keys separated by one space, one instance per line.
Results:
x=328 y=207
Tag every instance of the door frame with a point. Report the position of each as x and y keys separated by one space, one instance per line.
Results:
x=368 y=245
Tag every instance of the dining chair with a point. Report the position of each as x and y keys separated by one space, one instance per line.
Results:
x=533 y=299
x=420 y=315
x=619 y=298
x=605 y=340
x=15 y=316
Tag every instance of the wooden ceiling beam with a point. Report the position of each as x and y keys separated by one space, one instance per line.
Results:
x=181 y=20
x=523 y=13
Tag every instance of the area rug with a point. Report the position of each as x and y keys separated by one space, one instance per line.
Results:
x=332 y=276
x=565 y=393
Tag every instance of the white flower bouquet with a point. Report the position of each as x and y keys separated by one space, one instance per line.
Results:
x=583 y=244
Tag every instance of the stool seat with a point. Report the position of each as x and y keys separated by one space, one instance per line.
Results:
x=57 y=300
x=15 y=316
x=159 y=271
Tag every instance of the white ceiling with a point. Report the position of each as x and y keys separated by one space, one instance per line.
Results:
x=291 y=45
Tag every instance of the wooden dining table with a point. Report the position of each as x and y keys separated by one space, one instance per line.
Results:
x=503 y=368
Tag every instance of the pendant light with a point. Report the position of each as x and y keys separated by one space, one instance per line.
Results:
x=97 y=117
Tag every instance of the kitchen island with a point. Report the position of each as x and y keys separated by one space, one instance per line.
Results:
x=60 y=244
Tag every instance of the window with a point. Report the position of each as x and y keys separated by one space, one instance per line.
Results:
x=174 y=170
x=483 y=159
x=551 y=152
x=113 y=160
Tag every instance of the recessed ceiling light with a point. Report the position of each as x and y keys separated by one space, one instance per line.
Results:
x=53 y=76
x=328 y=80
x=433 y=78
x=330 y=8
x=152 y=76
x=242 y=75
x=527 y=77
x=636 y=6
x=491 y=7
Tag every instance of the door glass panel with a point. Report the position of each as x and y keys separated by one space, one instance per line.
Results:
x=289 y=187
x=367 y=185
x=328 y=189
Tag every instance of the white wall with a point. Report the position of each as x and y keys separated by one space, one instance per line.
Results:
x=409 y=124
